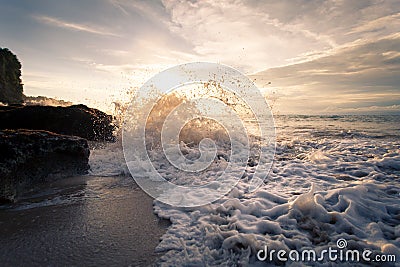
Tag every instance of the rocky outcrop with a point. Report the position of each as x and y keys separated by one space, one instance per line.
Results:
x=29 y=158
x=77 y=120
x=10 y=78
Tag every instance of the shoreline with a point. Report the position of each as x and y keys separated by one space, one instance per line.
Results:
x=92 y=221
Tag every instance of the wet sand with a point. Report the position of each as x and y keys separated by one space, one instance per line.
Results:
x=82 y=221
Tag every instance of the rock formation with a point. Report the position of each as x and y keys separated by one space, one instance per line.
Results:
x=77 y=120
x=10 y=78
x=29 y=158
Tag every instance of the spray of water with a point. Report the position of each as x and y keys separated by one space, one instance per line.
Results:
x=191 y=131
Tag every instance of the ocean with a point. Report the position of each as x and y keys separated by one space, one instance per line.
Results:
x=333 y=178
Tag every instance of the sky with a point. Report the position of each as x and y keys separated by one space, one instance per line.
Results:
x=307 y=56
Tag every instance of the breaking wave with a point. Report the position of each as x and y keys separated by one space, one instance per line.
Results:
x=322 y=187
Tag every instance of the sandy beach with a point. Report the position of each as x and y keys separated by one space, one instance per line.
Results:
x=82 y=221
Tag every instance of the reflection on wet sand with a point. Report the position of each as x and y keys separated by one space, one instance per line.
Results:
x=82 y=221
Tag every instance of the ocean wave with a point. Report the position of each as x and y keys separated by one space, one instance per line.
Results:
x=331 y=179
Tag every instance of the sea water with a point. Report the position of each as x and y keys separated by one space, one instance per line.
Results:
x=333 y=177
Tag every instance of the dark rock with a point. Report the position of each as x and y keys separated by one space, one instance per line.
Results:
x=77 y=120
x=10 y=78
x=30 y=158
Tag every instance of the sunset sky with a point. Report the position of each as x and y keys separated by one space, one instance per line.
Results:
x=321 y=57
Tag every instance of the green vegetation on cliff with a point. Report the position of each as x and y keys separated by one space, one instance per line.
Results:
x=10 y=78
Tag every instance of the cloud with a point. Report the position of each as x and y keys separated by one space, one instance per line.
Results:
x=238 y=34
x=392 y=109
x=73 y=26
x=390 y=22
x=322 y=54
x=254 y=35
x=353 y=79
x=119 y=6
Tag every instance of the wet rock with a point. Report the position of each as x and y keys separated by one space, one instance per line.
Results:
x=29 y=158
x=77 y=120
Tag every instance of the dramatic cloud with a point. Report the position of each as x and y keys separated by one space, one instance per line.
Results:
x=322 y=55
x=241 y=35
x=360 y=78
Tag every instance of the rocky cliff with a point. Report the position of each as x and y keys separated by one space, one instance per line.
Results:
x=10 y=78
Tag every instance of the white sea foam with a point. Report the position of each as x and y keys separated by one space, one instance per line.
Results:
x=333 y=177
x=107 y=160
